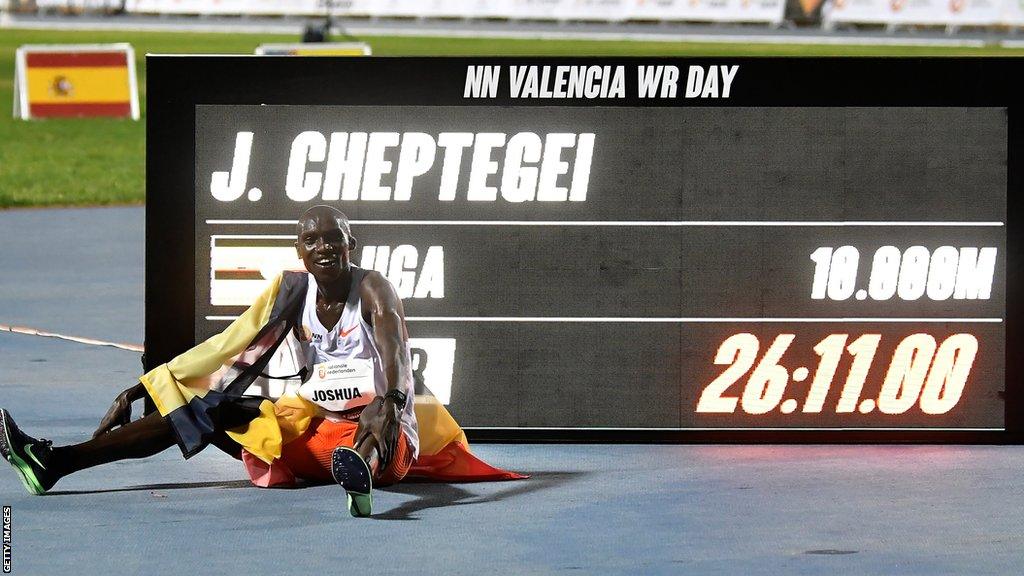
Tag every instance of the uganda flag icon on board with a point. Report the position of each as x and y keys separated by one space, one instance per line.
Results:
x=75 y=80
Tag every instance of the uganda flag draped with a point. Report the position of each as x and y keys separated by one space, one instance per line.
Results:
x=202 y=392
x=76 y=81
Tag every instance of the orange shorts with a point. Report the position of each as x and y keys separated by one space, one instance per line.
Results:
x=309 y=457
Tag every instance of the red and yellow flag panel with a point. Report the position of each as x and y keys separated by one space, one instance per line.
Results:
x=76 y=81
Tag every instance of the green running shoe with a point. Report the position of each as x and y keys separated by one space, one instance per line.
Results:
x=30 y=457
x=352 y=472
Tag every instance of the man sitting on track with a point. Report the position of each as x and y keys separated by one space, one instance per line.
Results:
x=339 y=318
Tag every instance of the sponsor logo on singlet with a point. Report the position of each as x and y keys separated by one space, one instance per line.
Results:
x=310 y=336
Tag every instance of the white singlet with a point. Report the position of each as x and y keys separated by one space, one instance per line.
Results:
x=352 y=337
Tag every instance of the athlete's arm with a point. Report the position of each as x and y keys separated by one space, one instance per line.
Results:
x=382 y=309
x=120 y=412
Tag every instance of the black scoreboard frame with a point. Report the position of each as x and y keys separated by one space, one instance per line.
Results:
x=177 y=84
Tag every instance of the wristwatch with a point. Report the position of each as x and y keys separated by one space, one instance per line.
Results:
x=397 y=395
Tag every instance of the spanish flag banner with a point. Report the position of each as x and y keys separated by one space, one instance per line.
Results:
x=73 y=80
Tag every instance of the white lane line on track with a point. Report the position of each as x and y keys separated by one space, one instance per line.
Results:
x=669 y=320
x=732 y=429
x=676 y=223
x=91 y=341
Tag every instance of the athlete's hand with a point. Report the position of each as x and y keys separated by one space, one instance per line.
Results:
x=381 y=421
x=120 y=412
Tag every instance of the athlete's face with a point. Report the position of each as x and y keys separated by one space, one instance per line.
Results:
x=323 y=245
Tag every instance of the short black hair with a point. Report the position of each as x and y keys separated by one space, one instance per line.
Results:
x=324 y=210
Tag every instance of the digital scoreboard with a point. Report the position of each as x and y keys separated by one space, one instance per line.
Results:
x=622 y=249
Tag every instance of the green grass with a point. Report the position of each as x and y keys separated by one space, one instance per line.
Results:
x=101 y=161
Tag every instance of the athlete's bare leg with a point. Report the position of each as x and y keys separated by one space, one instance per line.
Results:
x=41 y=466
x=141 y=438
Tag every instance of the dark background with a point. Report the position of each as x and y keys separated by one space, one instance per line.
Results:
x=655 y=163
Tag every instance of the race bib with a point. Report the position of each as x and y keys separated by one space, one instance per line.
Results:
x=340 y=385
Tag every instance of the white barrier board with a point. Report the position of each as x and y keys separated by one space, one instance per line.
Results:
x=916 y=12
x=768 y=11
